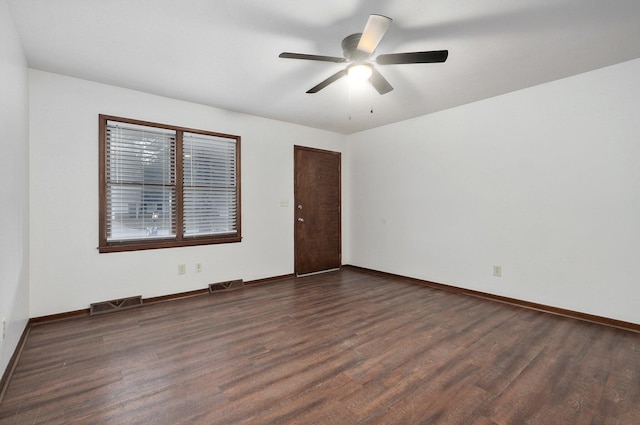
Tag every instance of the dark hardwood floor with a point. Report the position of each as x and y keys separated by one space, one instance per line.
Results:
x=346 y=347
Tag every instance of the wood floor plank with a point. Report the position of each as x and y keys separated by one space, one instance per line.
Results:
x=348 y=347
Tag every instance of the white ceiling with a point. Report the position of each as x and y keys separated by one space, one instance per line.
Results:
x=224 y=53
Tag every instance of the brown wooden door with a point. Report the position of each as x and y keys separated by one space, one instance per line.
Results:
x=317 y=210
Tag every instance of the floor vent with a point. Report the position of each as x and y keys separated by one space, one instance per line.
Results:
x=115 y=305
x=221 y=286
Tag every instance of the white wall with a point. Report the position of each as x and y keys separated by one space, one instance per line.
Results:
x=14 y=190
x=544 y=182
x=67 y=273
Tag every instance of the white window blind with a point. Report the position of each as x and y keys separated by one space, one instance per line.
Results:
x=209 y=185
x=140 y=182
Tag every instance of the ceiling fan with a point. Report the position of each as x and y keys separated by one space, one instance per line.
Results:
x=358 y=48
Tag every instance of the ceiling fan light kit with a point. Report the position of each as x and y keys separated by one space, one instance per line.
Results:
x=357 y=50
x=359 y=72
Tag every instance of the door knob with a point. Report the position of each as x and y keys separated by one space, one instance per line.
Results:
x=301 y=220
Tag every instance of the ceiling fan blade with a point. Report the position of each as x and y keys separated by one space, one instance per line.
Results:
x=328 y=81
x=288 y=55
x=376 y=28
x=413 y=57
x=379 y=82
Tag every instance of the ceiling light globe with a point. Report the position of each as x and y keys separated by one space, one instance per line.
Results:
x=360 y=72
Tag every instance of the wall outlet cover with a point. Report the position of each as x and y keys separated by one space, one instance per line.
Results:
x=497 y=271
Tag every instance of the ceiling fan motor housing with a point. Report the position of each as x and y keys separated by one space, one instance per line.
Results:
x=350 y=48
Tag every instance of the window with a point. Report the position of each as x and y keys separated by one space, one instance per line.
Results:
x=164 y=186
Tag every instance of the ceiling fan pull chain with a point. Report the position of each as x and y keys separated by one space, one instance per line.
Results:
x=371 y=101
x=349 y=99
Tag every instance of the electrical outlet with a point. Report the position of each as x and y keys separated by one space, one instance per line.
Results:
x=198 y=267
x=182 y=268
x=497 y=271
x=3 y=329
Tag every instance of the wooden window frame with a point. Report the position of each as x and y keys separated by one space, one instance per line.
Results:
x=179 y=240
